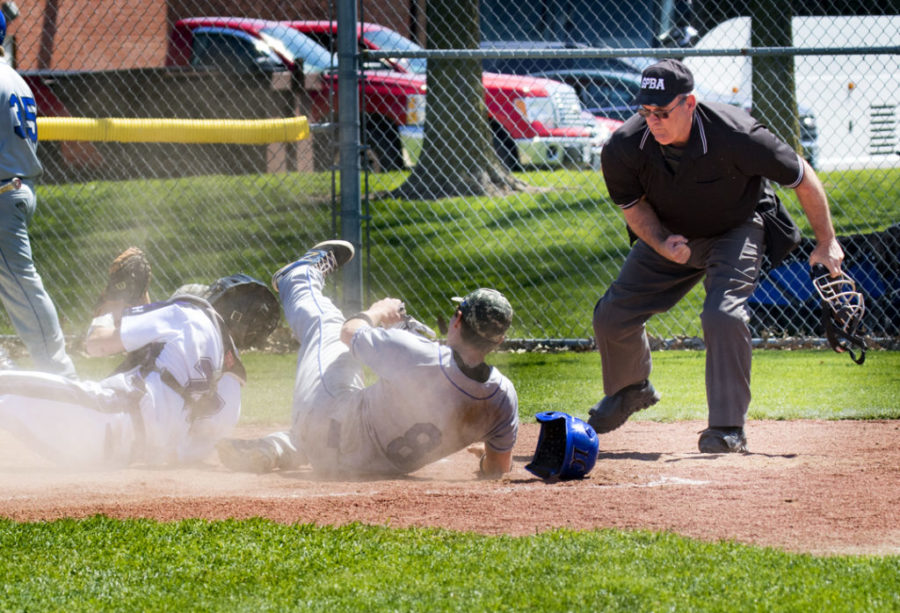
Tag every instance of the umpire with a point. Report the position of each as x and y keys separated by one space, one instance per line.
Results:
x=691 y=179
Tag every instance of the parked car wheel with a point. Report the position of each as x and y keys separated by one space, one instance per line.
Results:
x=505 y=148
x=384 y=151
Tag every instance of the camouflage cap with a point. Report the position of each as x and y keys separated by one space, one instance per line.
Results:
x=487 y=312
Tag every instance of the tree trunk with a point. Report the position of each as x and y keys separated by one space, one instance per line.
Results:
x=774 y=95
x=458 y=157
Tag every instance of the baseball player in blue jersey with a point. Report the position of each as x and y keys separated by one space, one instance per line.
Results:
x=27 y=303
x=430 y=400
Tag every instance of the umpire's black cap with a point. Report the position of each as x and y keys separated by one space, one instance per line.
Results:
x=661 y=82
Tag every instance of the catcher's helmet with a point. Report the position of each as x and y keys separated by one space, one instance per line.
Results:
x=248 y=306
x=842 y=311
x=566 y=449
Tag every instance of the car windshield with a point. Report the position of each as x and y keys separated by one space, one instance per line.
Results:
x=295 y=45
x=609 y=93
x=388 y=40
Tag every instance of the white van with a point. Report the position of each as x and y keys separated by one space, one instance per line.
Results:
x=855 y=98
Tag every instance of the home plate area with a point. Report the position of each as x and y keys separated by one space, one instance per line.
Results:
x=822 y=487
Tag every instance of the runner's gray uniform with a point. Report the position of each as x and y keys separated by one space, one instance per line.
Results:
x=421 y=409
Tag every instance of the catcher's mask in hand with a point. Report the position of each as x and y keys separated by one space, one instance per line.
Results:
x=566 y=449
x=843 y=308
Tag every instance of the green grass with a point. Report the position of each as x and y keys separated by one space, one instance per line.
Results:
x=804 y=384
x=100 y=564
x=194 y=230
x=552 y=250
x=421 y=251
x=808 y=384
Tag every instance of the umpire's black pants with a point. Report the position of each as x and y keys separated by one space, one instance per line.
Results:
x=649 y=284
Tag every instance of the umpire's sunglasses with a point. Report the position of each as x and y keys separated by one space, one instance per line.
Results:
x=663 y=114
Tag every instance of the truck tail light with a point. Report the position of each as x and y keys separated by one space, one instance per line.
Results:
x=535 y=109
x=415 y=109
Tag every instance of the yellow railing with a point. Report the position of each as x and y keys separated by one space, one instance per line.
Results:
x=162 y=130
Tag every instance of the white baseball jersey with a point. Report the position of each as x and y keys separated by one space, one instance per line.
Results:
x=135 y=415
x=18 y=127
x=423 y=407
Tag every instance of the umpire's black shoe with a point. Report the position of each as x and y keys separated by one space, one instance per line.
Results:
x=723 y=440
x=613 y=411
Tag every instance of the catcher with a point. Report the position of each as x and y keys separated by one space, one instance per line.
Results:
x=177 y=392
x=430 y=400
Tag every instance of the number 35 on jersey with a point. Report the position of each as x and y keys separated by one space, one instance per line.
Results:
x=23 y=113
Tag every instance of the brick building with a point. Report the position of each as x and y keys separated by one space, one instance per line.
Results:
x=117 y=34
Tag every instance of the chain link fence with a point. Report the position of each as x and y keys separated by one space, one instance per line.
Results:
x=485 y=175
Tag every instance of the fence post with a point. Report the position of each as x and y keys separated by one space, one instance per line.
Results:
x=348 y=121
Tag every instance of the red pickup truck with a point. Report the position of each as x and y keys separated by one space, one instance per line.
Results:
x=534 y=121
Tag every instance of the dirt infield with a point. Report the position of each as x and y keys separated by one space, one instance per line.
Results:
x=808 y=486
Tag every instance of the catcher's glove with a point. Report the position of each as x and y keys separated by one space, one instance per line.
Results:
x=843 y=308
x=128 y=283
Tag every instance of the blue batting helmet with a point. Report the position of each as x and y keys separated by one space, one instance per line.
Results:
x=2 y=27
x=566 y=449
